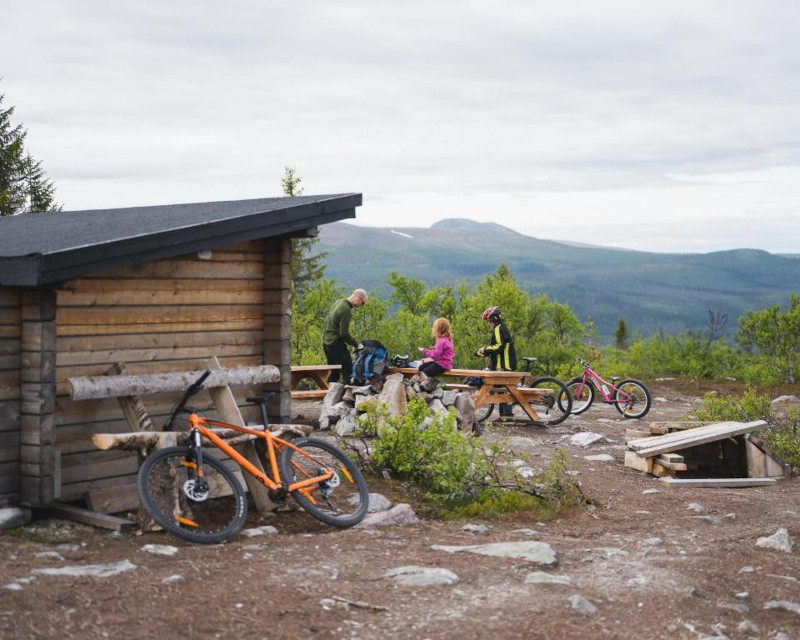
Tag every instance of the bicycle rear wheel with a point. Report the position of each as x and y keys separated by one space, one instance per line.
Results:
x=167 y=490
x=482 y=413
x=552 y=408
x=632 y=398
x=343 y=499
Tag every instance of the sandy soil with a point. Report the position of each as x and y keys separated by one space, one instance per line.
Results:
x=690 y=584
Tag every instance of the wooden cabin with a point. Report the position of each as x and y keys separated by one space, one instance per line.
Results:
x=161 y=288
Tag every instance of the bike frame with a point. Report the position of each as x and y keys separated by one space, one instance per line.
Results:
x=598 y=382
x=202 y=426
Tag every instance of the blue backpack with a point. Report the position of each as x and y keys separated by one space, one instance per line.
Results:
x=370 y=363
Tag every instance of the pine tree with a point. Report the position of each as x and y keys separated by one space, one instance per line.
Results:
x=621 y=335
x=306 y=267
x=24 y=187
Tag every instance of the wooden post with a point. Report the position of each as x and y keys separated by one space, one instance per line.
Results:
x=278 y=317
x=132 y=406
x=38 y=386
x=229 y=412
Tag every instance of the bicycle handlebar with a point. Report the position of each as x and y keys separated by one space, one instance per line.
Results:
x=193 y=389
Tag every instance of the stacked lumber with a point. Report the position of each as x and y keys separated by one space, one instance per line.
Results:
x=668 y=448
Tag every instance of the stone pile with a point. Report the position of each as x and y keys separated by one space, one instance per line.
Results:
x=343 y=404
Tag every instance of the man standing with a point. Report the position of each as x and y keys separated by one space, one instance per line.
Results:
x=336 y=334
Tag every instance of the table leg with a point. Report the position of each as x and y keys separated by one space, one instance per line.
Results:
x=526 y=407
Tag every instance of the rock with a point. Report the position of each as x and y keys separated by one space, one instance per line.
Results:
x=526 y=532
x=364 y=402
x=525 y=472
x=475 y=528
x=611 y=552
x=465 y=410
x=14 y=517
x=585 y=438
x=536 y=552
x=413 y=576
x=735 y=606
x=696 y=507
x=437 y=393
x=779 y=541
x=160 y=549
x=346 y=426
x=581 y=605
x=648 y=492
x=425 y=424
x=376 y=385
x=13 y=586
x=349 y=395
x=393 y=396
x=427 y=384
x=366 y=390
x=652 y=542
x=783 y=605
x=91 y=570
x=174 y=579
x=49 y=555
x=449 y=397
x=334 y=396
x=709 y=519
x=401 y=514
x=747 y=570
x=436 y=406
x=600 y=457
x=750 y=628
x=266 y=530
x=540 y=577
x=377 y=502
x=783 y=405
x=730 y=516
x=742 y=595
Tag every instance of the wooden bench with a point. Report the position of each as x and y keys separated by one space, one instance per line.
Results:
x=496 y=387
x=318 y=373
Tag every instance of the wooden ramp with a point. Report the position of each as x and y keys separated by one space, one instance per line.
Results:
x=668 y=449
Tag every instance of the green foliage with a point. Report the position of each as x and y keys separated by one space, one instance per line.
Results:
x=461 y=474
x=308 y=313
x=24 y=187
x=773 y=337
x=783 y=435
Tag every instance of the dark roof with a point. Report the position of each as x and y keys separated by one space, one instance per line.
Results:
x=42 y=248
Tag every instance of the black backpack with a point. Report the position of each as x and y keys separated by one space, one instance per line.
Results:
x=372 y=361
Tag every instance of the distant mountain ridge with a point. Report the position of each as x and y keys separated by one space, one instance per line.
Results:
x=651 y=291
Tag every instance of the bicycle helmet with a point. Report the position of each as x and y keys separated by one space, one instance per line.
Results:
x=492 y=313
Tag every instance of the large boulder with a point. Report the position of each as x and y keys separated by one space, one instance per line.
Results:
x=393 y=396
x=465 y=409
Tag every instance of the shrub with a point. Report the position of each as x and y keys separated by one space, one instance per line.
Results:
x=783 y=435
x=460 y=474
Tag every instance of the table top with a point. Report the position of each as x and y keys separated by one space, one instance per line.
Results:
x=514 y=376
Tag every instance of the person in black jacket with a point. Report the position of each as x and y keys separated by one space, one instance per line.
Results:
x=500 y=348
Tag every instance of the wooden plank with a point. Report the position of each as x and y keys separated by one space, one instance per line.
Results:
x=96 y=465
x=124 y=496
x=662 y=427
x=122 y=296
x=668 y=465
x=103 y=285
x=314 y=394
x=676 y=435
x=661 y=471
x=101 y=520
x=718 y=482
x=640 y=464
x=756 y=461
x=149 y=355
x=94 y=328
x=671 y=457
x=157 y=314
x=177 y=268
x=693 y=437
x=229 y=411
x=774 y=461
x=148 y=340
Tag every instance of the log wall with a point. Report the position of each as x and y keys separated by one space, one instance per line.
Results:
x=10 y=394
x=166 y=315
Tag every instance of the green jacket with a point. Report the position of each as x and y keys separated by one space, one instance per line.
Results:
x=337 y=324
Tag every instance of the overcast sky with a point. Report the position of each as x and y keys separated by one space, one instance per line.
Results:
x=660 y=126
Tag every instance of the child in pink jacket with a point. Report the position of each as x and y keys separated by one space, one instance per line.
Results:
x=440 y=358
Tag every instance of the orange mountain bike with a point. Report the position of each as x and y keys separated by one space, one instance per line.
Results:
x=198 y=498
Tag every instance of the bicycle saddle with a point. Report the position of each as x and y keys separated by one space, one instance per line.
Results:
x=529 y=359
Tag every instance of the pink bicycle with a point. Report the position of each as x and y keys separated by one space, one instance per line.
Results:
x=630 y=397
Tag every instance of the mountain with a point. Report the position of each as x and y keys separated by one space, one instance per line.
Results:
x=652 y=291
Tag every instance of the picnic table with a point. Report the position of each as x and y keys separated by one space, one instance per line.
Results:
x=496 y=387
x=318 y=373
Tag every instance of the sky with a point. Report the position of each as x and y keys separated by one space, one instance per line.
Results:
x=665 y=126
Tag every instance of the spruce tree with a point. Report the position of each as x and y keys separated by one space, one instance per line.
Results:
x=306 y=265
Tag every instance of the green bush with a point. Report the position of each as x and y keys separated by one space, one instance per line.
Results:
x=783 y=434
x=460 y=474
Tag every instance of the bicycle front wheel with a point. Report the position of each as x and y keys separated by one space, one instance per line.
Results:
x=343 y=499
x=582 y=395
x=169 y=492
x=554 y=407
x=632 y=399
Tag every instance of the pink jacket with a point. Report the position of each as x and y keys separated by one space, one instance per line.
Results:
x=442 y=352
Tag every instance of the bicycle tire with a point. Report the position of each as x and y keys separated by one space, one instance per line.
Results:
x=641 y=395
x=554 y=409
x=581 y=400
x=482 y=413
x=350 y=494
x=211 y=520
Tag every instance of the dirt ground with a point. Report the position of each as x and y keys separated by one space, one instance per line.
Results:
x=700 y=578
